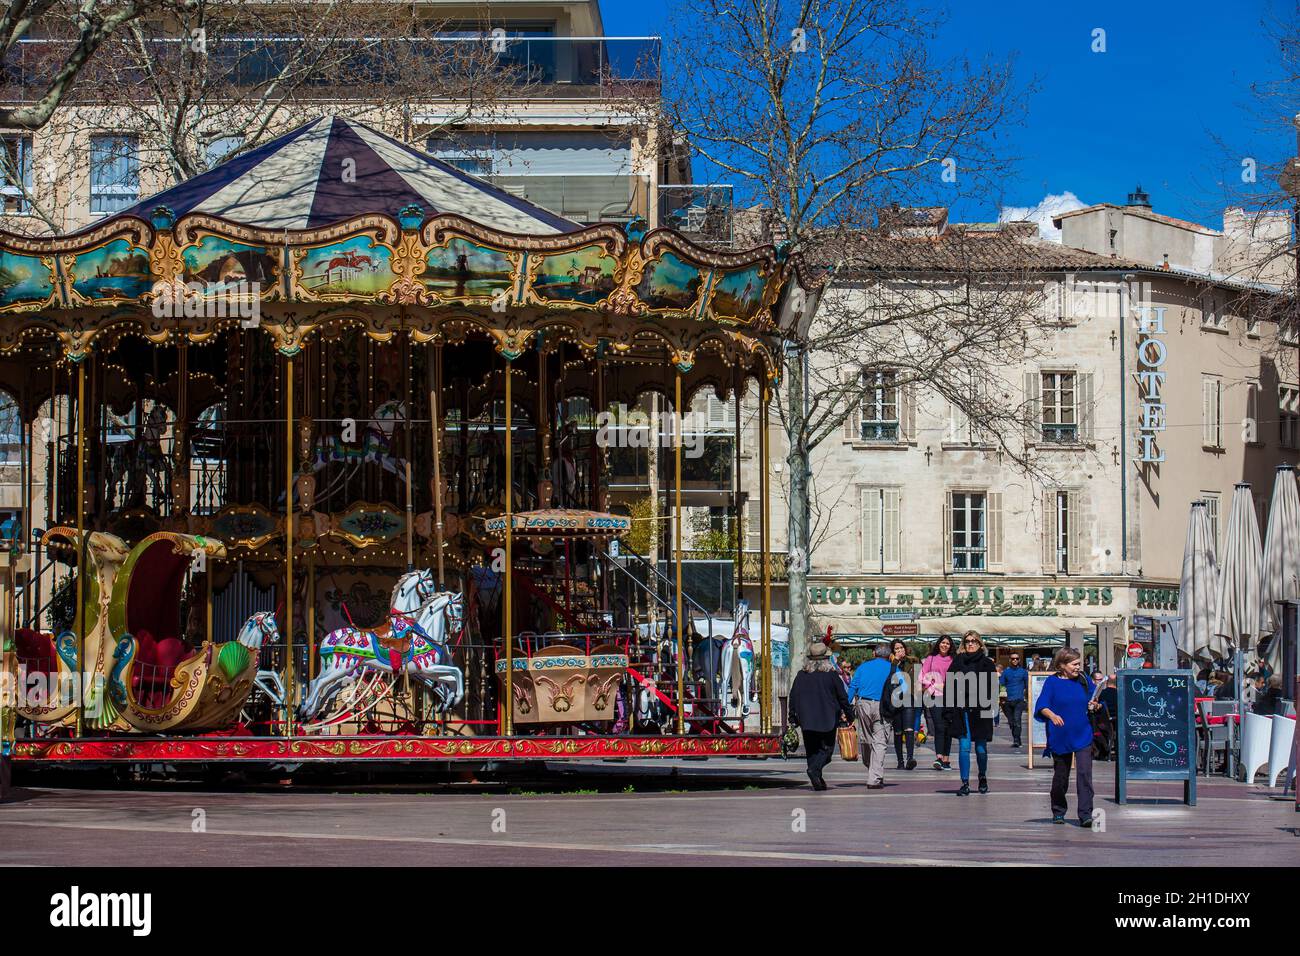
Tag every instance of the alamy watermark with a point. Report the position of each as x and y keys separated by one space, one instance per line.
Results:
x=623 y=427
x=209 y=300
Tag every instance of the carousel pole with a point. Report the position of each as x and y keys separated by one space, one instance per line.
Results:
x=508 y=616
x=288 y=546
x=407 y=445
x=677 y=553
x=434 y=394
x=79 y=617
x=764 y=709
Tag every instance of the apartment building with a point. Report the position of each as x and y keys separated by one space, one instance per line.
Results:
x=566 y=132
x=1158 y=384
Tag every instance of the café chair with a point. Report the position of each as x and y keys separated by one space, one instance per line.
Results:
x=1255 y=737
x=1279 y=751
x=1216 y=732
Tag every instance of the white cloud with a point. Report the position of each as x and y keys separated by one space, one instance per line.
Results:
x=1051 y=205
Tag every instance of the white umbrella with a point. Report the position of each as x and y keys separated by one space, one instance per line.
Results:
x=1281 y=567
x=1198 y=598
x=1237 y=619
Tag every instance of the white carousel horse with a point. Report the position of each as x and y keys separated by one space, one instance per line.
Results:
x=414 y=643
x=258 y=630
x=738 y=662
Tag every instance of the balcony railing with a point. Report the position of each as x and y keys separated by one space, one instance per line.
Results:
x=593 y=67
x=751 y=563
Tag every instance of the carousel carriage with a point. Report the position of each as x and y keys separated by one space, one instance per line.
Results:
x=343 y=384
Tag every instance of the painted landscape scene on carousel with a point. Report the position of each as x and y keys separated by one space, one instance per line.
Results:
x=462 y=269
x=356 y=266
x=216 y=263
x=738 y=294
x=585 y=275
x=117 y=270
x=669 y=283
x=23 y=279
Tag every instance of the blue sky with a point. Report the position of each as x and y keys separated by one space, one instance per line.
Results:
x=1174 y=76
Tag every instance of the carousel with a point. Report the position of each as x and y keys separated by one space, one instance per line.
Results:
x=310 y=471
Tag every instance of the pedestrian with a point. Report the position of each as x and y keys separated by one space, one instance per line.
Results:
x=1002 y=693
x=865 y=691
x=817 y=703
x=970 y=697
x=934 y=673
x=905 y=715
x=1014 y=683
x=1063 y=705
x=846 y=671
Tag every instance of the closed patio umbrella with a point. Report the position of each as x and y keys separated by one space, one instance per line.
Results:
x=1237 y=620
x=1198 y=597
x=1281 y=567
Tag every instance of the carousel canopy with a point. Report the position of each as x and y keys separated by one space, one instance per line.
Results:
x=562 y=523
x=335 y=169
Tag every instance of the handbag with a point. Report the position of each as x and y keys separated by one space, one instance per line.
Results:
x=847 y=737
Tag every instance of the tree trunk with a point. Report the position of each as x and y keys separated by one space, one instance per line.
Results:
x=799 y=512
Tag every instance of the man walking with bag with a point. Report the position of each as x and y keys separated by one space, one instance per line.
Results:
x=817 y=702
x=1015 y=679
x=867 y=690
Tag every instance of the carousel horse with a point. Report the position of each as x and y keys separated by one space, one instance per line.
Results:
x=737 y=663
x=413 y=642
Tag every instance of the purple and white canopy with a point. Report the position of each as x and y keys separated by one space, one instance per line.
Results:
x=334 y=169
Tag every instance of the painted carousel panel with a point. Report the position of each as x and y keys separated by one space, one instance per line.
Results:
x=357 y=266
x=584 y=276
x=118 y=270
x=738 y=295
x=669 y=284
x=214 y=264
x=463 y=269
x=25 y=281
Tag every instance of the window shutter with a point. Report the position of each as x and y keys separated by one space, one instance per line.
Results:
x=1209 y=401
x=994 y=531
x=907 y=412
x=1067 y=299
x=852 y=428
x=892 y=533
x=1052 y=301
x=956 y=424
x=871 y=529
x=1074 y=546
x=1083 y=396
x=1049 y=531
x=1033 y=415
x=947 y=532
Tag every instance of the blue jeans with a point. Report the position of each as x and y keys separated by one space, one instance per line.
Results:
x=963 y=754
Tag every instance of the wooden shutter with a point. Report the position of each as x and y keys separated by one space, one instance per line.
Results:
x=891 y=534
x=871 y=529
x=1033 y=414
x=853 y=420
x=947 y=532
x=1049 y=531
x=1052 y=301
x=1074 y=544
x=1210 y=417
x=1084 y=411
x=1068 y=299
x=907 y=412
x=993 y=528
x=957 y=430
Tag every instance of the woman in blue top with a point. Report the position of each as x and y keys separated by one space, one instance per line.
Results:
x=1063 y=705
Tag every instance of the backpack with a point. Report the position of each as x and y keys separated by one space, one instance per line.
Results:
x=888 y=709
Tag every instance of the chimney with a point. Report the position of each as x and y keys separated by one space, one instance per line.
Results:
x=1138 y=198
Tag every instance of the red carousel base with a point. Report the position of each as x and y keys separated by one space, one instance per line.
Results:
x=397 y=748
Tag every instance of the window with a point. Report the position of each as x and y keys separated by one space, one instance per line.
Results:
x=1211 y=412
x=1211 y=315
x=16 y=174
x=11 y=430
x=1211 y=499
x=114 y=173
x=969 y=531
x=1062 y=532
x=470 y=155
x=1060 y=416
x=1250 y=424
x=881 y=531
x=721 y=413
x=880 y=407
x=222 y=148
x=1288 y=414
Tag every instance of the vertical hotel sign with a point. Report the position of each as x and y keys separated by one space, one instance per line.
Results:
x=1152 y=354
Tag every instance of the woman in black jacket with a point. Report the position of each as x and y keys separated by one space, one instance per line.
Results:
x=970 y=694
x=817 y=702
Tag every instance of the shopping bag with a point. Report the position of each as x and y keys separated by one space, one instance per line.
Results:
x=848 y=740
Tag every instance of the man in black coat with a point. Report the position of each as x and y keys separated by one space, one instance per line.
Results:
x=817 y=704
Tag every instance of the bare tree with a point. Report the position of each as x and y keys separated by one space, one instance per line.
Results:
x=836 y=123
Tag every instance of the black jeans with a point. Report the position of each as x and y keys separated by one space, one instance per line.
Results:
x=820 y=746
x=1015 y=713
x=904 y=718
x=939 y=731
x=1082 y=780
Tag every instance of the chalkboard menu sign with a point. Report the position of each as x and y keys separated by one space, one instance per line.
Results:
x=1156 y=730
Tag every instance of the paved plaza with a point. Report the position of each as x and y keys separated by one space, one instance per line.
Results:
x=720 y=812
